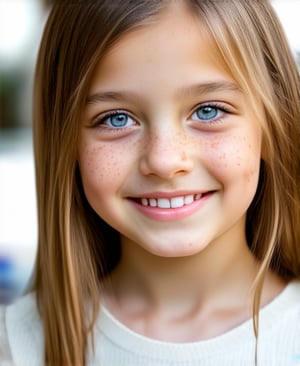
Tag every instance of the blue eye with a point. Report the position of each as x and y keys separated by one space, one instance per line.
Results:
x=206 y=113
x=116 y=120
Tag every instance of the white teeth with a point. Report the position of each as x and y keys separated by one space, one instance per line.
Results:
x=153 y=202
x=174 y=202
x=177 y=202
x=163 y=203
x=188 y=199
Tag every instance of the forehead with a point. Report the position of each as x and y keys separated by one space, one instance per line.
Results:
x=172 y=38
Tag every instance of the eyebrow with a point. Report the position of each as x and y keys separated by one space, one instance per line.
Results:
x=197 y=89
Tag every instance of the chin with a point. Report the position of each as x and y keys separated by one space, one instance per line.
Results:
x=177 y=251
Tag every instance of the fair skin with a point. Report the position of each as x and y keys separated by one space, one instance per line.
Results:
x=182 y=135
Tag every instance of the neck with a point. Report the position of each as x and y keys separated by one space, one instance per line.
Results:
x=187 y=298
x=221 y=273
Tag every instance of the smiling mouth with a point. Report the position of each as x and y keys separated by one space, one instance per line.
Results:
x=174 y=202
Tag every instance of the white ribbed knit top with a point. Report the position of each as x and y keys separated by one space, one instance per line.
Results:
x=21 y=339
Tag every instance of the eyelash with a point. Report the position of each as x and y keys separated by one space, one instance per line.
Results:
x=100 y=120
x=218 y=107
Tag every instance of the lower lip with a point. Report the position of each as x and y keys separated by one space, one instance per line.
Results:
x=169 y=214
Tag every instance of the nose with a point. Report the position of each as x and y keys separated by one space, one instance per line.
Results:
x=166 y=154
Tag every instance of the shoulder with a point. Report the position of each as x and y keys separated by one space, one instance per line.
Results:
x=24 y=332
x=23 y=310
x=289 y=299
x=290 y=307
x=5 y=354
x=285 y=307
x=279 y=328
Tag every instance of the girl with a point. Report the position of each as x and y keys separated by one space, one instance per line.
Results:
x=167 y=162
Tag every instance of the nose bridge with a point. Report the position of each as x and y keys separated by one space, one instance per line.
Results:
x=166 y=151
x=167 y=138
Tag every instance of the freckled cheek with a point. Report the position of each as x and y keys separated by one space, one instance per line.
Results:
x=234 y=159
x=102 y=167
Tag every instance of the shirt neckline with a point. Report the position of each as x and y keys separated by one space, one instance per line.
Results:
x=270 y=316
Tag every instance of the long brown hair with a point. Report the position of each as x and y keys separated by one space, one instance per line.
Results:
x=76 y=249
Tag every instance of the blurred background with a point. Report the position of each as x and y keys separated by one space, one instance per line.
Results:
x=21 y=25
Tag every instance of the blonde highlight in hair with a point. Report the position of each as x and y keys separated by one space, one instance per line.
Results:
x=76 y=248
x=256 y=53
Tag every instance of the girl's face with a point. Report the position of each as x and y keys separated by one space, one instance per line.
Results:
x=169 y=149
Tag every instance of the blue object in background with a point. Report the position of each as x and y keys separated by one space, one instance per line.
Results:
x=15 y=273
x=8 y=285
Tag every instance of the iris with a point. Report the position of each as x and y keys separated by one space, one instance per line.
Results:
x=207 y=112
